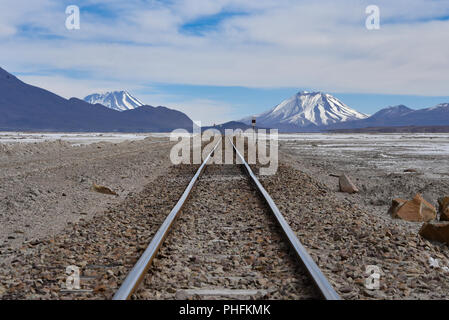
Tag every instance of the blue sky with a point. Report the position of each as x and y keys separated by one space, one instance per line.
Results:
x=225 y=59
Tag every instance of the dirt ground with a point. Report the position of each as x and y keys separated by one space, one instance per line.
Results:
x=44 y=186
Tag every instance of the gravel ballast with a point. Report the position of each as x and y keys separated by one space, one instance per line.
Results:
x=343 y=235
x=226 y=245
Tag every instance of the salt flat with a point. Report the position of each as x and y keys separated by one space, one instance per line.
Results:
x=73 y=138
x=392 y=153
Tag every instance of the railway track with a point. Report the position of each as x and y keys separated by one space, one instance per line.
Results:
x=230 y=242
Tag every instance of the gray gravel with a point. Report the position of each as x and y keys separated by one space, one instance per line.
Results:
x=344 y=239
x=104 y=248
x=225 y=245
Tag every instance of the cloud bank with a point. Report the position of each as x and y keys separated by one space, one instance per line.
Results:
x=261 y=44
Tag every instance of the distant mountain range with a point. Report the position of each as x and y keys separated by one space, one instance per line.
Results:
x=117 y=100
x=28 y=108
x=232 y=125
x=321 y=112
x=400 y=116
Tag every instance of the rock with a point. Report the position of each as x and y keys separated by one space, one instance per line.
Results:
x=345 y=289
x=263 y=282
x=100 y=288
x=2 y=291
x=435 y=231
x=444 y=208
x=377 y=294
x=395 y=205
x=415 y=210
x=444 y=216
x=346 y=184
x=411 y=170
x=102 y=189
x=171 y=290
x=181 y=295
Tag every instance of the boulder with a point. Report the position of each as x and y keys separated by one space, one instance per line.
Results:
x=346 y=184
x=435 y=231
x=444 y=208
x=415 y=210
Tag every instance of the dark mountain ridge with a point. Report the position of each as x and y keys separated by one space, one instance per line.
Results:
x=24 y=107
x=400 y=116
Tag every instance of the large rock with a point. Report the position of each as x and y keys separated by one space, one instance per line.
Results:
x=415 y=210
x=436 y=231
x=346 y=184
x=444 y=208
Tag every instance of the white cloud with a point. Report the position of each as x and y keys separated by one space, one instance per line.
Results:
x=6 y=30
x=205 y=110
x=277 y=43
x=69 y=87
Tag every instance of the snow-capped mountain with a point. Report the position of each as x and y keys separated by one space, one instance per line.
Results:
x=307 y=110
x=24 y=107
x=117 y=100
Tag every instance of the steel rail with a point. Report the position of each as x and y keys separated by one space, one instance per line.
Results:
x=139 y=270
x=325 y=288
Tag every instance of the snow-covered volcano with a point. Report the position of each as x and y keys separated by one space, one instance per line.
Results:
x=117 y=100
x=307 y=110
